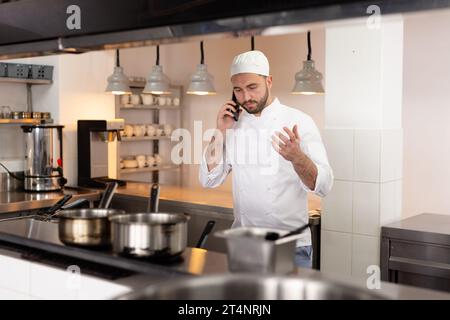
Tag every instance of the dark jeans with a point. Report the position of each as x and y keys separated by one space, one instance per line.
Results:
x=303 y=256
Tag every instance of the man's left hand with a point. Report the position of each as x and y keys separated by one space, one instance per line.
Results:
x=288 y=146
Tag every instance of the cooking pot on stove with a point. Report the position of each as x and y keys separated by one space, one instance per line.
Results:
x=86 y=227
x=149 y=235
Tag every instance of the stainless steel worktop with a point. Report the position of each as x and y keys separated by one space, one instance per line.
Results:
x=14 y=201
x=39 y=239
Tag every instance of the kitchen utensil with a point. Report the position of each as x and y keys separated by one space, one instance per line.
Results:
x=36 y=115
x=108 y=194
x=159 y=130
x=24 y=115
x=204 y=236
x=147 y=99
x=141 y=160
x=11 y=181
x=128 y=130
x=161 y=101
x=46 y=115
x=130 y=164
x=125 y=99
x=149 y=235
x=93 y=137
x=168 y=129
x=272 y=236
x=43 y=158
x=158 y=159
x=53 y=210
x=150 y=160
x=150 y=130
x=135 y=99
x=139 y=130
x=79 y=203
x=86 y=227
x=5 y=112
x=248 y=251
x=153 y=199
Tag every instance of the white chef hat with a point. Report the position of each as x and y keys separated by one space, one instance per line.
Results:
x=250 y=62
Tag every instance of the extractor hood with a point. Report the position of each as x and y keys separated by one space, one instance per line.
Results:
x=40 y=27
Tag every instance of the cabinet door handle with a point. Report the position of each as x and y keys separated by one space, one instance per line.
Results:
x=429 y=268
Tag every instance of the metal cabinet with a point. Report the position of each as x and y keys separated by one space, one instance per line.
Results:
x=416 y=251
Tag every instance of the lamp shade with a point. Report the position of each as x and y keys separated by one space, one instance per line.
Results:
x=201 y=82
x=308 y=81
x=118 y=82
x=157 y=82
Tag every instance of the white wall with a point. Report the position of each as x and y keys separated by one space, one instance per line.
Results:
x=285 y=53
x=82 y=96
x=426 y=114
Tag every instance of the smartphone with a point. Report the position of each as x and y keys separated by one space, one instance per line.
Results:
x=238 y=106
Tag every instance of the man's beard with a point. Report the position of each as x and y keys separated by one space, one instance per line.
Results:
x=259 y=105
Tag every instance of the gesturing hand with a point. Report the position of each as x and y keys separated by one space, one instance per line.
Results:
x=288 y=147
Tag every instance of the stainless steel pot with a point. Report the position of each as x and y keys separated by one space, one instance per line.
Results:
x=149 y=234
x=8 y=183
x=253 y=287
x=43 y=158
x=86 y=227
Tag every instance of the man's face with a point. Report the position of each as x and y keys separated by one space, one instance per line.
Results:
x=252 y=91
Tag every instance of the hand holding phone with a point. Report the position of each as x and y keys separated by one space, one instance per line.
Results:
x=238 y=106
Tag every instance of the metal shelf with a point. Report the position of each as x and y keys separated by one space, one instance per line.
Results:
x=150 y=169
x=148 y=107
x=145 y=138
x=25 y=121
x=25 y=81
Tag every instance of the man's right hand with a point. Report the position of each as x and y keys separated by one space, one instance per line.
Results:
x=225 y=116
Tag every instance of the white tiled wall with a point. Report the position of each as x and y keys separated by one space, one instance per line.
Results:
x=365 y=252
x=390 y=202
x=337 y=208
x=339 y=144
x=367 y=155
x=363 y=137
x=336 y=250
x=366 y=208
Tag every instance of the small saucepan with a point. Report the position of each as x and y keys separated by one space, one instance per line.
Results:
x=86 y=227
x=149 y=235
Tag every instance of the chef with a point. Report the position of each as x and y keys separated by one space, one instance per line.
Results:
x=275 y=152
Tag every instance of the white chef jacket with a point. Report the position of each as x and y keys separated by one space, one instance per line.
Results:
x=267 y=192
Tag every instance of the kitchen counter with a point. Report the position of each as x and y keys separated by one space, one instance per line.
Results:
x=105 y=277
x=15 y=201
x=200 y=196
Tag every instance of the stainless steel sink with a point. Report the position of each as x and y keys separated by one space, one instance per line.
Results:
x=251 y=287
